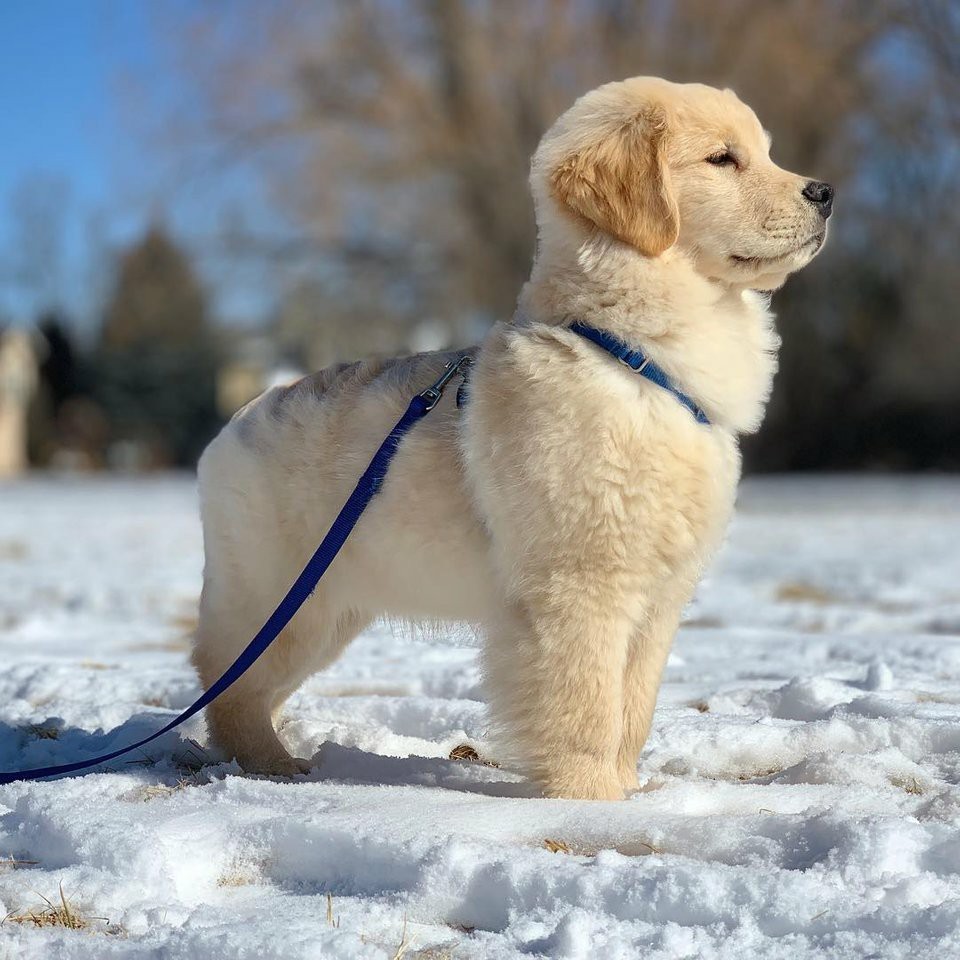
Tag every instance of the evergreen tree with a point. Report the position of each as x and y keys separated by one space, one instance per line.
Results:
x=156 y=359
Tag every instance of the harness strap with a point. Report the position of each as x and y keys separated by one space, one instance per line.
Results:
x=365 y=490
x=638 y=362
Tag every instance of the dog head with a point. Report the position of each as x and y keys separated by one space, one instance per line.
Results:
x=660 y=166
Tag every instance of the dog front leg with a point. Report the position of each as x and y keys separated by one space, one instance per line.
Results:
x=555 y=677
x=646 y=658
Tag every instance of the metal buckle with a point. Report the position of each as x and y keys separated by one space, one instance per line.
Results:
x=431 y=396
x=639 y=369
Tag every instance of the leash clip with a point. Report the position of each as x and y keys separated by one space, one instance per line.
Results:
x=431 y=396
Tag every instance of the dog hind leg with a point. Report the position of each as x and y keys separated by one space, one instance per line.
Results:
x=241 y=721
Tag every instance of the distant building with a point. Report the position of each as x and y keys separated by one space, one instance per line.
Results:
x=253 y=368
x=18 y=382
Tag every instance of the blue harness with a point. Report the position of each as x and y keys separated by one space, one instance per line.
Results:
x=365 y=490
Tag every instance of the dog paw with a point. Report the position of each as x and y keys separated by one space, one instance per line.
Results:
x=584 y=781
x=278 y=767
x=585 y=792
x=629 y=780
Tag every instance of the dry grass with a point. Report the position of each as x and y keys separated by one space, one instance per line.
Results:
x=60 y=914
x=160 y=791
x=186 y=623
x=363 y=690
x=637 y=848
x=401 y=950
x=405 y=943
x=155 y=791
x=190 y=765
x=759 y=774
x=190 y=761
x=14 y=864
x=245 y=872
x=926 y=697
x=241 y=875
x=629 y=848
x=13 y=550
x=40 y=731
x=467 y=754
x=332 y=921
x=909 y=785
x=704 y=623
x=177 y=645
x=743 y=776
x=701 y=706
x=796 y=591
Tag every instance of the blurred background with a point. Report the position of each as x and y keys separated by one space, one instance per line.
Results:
x=199 y=198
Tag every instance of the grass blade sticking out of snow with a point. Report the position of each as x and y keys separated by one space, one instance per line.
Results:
x=405 y=943
x=331 y=920
x=60 y=914
x=14 y=864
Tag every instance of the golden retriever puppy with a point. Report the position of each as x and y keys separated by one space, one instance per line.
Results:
x=570 y=506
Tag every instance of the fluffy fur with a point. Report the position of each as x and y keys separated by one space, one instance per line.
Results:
x=570 y=508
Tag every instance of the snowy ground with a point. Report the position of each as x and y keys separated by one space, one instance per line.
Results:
x=802 y=783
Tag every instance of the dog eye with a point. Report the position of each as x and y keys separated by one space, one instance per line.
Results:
x=722 y=159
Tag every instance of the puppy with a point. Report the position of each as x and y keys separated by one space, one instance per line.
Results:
x=570 y=506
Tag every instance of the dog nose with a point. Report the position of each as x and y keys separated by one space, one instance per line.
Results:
x=821 y=195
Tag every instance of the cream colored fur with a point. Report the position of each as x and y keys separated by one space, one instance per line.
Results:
x=570 y=508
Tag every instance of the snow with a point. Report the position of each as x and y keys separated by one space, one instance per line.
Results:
x=800 y=787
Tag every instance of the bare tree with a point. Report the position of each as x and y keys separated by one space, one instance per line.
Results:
x=937 y=24
x=404 y=129
x=393 y=139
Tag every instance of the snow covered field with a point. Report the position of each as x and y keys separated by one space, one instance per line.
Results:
x=801 y=786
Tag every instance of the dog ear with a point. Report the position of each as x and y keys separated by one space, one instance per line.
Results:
x=621 y=184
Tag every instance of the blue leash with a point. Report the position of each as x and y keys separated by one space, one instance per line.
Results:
x=365 y=490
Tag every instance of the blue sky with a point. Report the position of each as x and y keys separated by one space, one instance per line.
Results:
x=60 y=63
x=54 y=79
x=85 y=89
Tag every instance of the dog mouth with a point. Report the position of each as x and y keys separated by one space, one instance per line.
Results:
x=811 y=246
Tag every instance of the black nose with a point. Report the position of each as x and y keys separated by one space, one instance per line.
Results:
x=820 y=194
